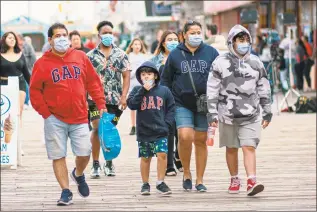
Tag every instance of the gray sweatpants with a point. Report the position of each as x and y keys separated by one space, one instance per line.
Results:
x=236 y=136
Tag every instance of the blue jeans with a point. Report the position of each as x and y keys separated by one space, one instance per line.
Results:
x=185 y=118
x=27 y=97
x=293 y=61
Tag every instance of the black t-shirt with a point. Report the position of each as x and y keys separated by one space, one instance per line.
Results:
x=17 y=68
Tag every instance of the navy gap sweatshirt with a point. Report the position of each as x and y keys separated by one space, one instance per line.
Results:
x=155 y=108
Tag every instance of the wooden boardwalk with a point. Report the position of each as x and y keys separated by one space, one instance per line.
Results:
x=286 y=161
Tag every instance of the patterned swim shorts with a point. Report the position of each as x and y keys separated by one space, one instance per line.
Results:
x=149 y=149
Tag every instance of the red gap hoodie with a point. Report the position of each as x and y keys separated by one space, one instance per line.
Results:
x=59 y=84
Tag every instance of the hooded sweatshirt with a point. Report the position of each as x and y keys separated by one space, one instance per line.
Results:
x=155 y=108
x=237 y=87
x=175 y=74
x=59 y=85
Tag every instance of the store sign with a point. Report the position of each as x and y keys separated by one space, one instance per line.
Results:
x=213 y=7
x=9 y=122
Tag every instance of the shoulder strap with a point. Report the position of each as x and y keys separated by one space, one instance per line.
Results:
x=190 y=75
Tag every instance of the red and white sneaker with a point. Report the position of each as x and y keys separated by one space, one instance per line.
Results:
x=254 y=187
x=235 y=185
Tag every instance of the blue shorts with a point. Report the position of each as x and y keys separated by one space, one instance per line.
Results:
x=56 y=136
x=150 y=149
x=185 y=118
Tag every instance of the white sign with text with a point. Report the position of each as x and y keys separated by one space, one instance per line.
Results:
x=9 y=122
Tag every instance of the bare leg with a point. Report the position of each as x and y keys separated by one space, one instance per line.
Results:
x=145 y=169
x=95 y=140
x=81 y=164
x=249 y=160
x=232 y=160
x=161 y=166
x=61 y=172
x=186 y=138
x=201 y=154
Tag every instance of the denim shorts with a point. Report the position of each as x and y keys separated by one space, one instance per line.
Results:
x=185 y=118
x=57 y=133
x=149 y=149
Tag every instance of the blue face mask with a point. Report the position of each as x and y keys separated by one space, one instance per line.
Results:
x=106 y=39
x=194 y=40
x=170 y=45
x=243 y=48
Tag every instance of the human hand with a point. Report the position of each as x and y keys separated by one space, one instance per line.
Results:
x=123 y=102
x=265 y=124
x=102 y=111
x=213 y=124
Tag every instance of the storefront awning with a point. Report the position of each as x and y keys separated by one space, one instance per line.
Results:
x=214 y=7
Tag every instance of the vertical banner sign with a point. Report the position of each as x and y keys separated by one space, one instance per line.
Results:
x=9 y=122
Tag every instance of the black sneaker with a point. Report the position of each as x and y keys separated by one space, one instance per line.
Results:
x=145 y=190
x=66 y=198
x=187 y=184
x=83 y=189
x=133 y=131
x=163 y=189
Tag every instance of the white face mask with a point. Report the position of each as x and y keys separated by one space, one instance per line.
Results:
x=149 y=82
x=61 y=44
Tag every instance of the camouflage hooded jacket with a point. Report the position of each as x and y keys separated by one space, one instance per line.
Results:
x=237 y=87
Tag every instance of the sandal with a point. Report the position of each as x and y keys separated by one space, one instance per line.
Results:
x=178 y=164
x=170 y=172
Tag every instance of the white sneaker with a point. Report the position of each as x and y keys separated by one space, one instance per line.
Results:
x=95 y=171
x=109 y=169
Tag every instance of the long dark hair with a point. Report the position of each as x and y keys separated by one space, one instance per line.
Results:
x=160 y=48
x=4 y=45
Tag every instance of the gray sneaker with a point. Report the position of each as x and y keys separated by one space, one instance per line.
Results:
x=95 y=171
x=109 y=168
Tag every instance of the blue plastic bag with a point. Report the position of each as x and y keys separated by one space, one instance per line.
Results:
x=109 y=137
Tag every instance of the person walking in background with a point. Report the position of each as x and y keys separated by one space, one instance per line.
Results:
x=137 y=56
x=289 y=44
x=237 y=87
x=30 y=58
x=195 y=57
x=155 y=107
x=13 y=64
x=169 y=41
x=155 y=43
x=75 y=41
x=60 y=80
x=111 y=63
x=301 y=58
x=309 y=62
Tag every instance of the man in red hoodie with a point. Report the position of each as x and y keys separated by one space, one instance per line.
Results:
x=60 y=80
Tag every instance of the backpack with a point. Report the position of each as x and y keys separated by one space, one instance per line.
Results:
x=306 y=105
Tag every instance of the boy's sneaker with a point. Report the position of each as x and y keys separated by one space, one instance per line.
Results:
x=145 y=190
x=187 y=184
x=66 y=198
x=163 y=189
x=83 y=189
x=235 y=185
x=109 y=169
x=254 y=187
x=95 y=170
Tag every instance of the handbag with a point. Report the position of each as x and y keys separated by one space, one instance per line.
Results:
x=201 y=101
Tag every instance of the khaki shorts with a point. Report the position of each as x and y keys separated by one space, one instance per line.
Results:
x=236 y=136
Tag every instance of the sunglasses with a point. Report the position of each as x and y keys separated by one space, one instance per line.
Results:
x=191 y=22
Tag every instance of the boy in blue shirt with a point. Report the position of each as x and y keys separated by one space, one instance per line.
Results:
x=155 y=107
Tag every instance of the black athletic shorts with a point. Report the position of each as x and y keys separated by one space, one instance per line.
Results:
x=113 y=109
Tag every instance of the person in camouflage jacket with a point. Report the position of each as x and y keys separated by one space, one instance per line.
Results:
x=237 y=89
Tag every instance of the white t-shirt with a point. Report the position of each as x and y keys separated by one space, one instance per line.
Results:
x=285 y=43
x=136 y=60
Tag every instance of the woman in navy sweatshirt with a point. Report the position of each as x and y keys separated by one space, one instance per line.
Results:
x=194 y=56
x=155 y=107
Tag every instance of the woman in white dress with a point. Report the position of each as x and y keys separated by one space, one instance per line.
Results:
x=137 y=55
